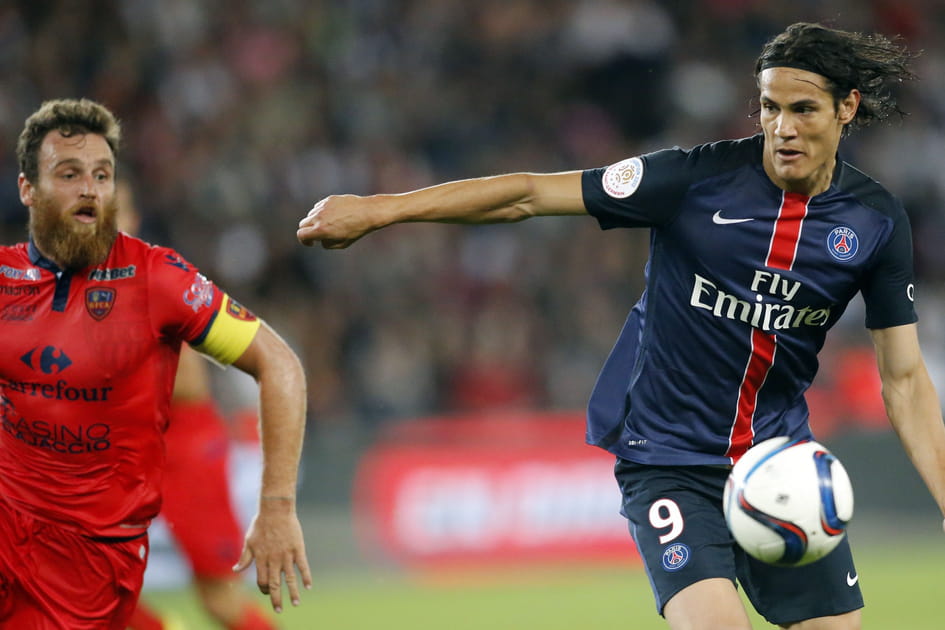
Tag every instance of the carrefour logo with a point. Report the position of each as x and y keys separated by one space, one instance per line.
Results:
x=49 y=360
x=52 y=360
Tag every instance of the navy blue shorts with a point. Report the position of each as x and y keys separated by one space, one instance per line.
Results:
x=676 y=520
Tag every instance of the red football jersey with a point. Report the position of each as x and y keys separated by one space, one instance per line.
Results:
x=87 y=365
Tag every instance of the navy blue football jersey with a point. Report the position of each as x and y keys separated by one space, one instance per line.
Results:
x=742 y=283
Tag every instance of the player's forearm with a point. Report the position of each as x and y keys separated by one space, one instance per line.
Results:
x=498 y=199
x=282 y=426
x=915 y=413
x=278 y=372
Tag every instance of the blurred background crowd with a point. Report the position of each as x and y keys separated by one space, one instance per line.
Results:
x=240 y=114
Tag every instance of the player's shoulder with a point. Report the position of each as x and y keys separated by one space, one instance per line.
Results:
x=133 y=250
x=16 y=264
x=14 y=252
x=712 y=158
x=867 y=191
x=732 y=152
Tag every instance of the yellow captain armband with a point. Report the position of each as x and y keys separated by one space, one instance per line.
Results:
x=232 y=330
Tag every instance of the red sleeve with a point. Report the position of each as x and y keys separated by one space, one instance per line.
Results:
x=183 y=302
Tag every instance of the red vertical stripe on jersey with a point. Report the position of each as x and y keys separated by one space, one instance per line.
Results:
x=781 y=253
x=787 y=231
x=763 y=347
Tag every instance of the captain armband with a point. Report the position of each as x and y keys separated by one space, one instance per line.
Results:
x=230 y=333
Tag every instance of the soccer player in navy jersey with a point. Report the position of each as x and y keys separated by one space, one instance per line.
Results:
x=757 y=246
x=92 y=323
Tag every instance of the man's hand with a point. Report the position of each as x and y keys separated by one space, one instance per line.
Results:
x=274 y=541
x=336 y=222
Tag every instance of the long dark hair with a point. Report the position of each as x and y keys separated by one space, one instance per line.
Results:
x=873 y=64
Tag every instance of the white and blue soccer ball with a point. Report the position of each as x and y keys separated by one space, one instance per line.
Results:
x=788 y=502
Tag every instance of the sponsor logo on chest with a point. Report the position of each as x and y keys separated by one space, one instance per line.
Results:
x=105 y=275
x=763 y=313
x=13 y=273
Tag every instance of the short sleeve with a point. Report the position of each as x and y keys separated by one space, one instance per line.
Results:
x=188 y=307
x=183 y=301
x=642 y=191
x=889 y=285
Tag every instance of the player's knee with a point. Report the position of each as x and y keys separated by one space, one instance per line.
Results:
x=221 y=598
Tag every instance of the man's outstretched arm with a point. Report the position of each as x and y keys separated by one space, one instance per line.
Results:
x=339 y=220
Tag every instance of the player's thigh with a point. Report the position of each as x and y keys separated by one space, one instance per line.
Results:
x=60 y=579
x=676 y=520
x=707 y=605
x=847 y=621
x=823 y=595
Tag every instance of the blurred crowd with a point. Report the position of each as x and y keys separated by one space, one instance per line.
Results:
x=240 y=114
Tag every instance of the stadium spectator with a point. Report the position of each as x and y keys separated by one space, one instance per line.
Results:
x=757 y=246
x=93 y=323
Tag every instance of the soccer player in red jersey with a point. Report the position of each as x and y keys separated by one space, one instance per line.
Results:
x=92 y=323
x=200 y=516
x=757 y=245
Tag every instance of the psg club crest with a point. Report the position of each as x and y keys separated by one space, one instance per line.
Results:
x=842 y=243
x=99 y=302
x=676 y=556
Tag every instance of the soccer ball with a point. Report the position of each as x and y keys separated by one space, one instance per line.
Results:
x=787 y=502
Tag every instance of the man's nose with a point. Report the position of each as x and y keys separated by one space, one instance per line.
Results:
x=785 y=126
x=87 y=188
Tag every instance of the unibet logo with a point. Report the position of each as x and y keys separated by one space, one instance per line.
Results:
x=104 y=275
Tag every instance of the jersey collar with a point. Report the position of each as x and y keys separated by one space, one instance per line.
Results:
x=37 y=258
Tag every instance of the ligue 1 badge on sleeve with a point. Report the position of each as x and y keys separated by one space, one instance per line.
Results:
x=623 y=178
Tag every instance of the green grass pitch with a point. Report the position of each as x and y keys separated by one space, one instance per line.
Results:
x=902 y=584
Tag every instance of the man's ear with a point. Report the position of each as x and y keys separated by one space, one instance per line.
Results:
x=846 y=110
x=26 y=190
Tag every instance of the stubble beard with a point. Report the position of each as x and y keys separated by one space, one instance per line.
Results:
x=70 y=244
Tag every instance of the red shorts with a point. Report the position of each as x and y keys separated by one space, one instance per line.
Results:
x=52 y=577
x=197 y=505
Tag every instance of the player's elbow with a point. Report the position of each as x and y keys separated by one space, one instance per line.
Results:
x=270 y=361
x=542 y=194
x=523 y=204
x=282 y=365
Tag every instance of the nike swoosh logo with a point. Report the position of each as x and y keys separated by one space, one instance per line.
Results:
x=852 y=579
x=718 y=219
